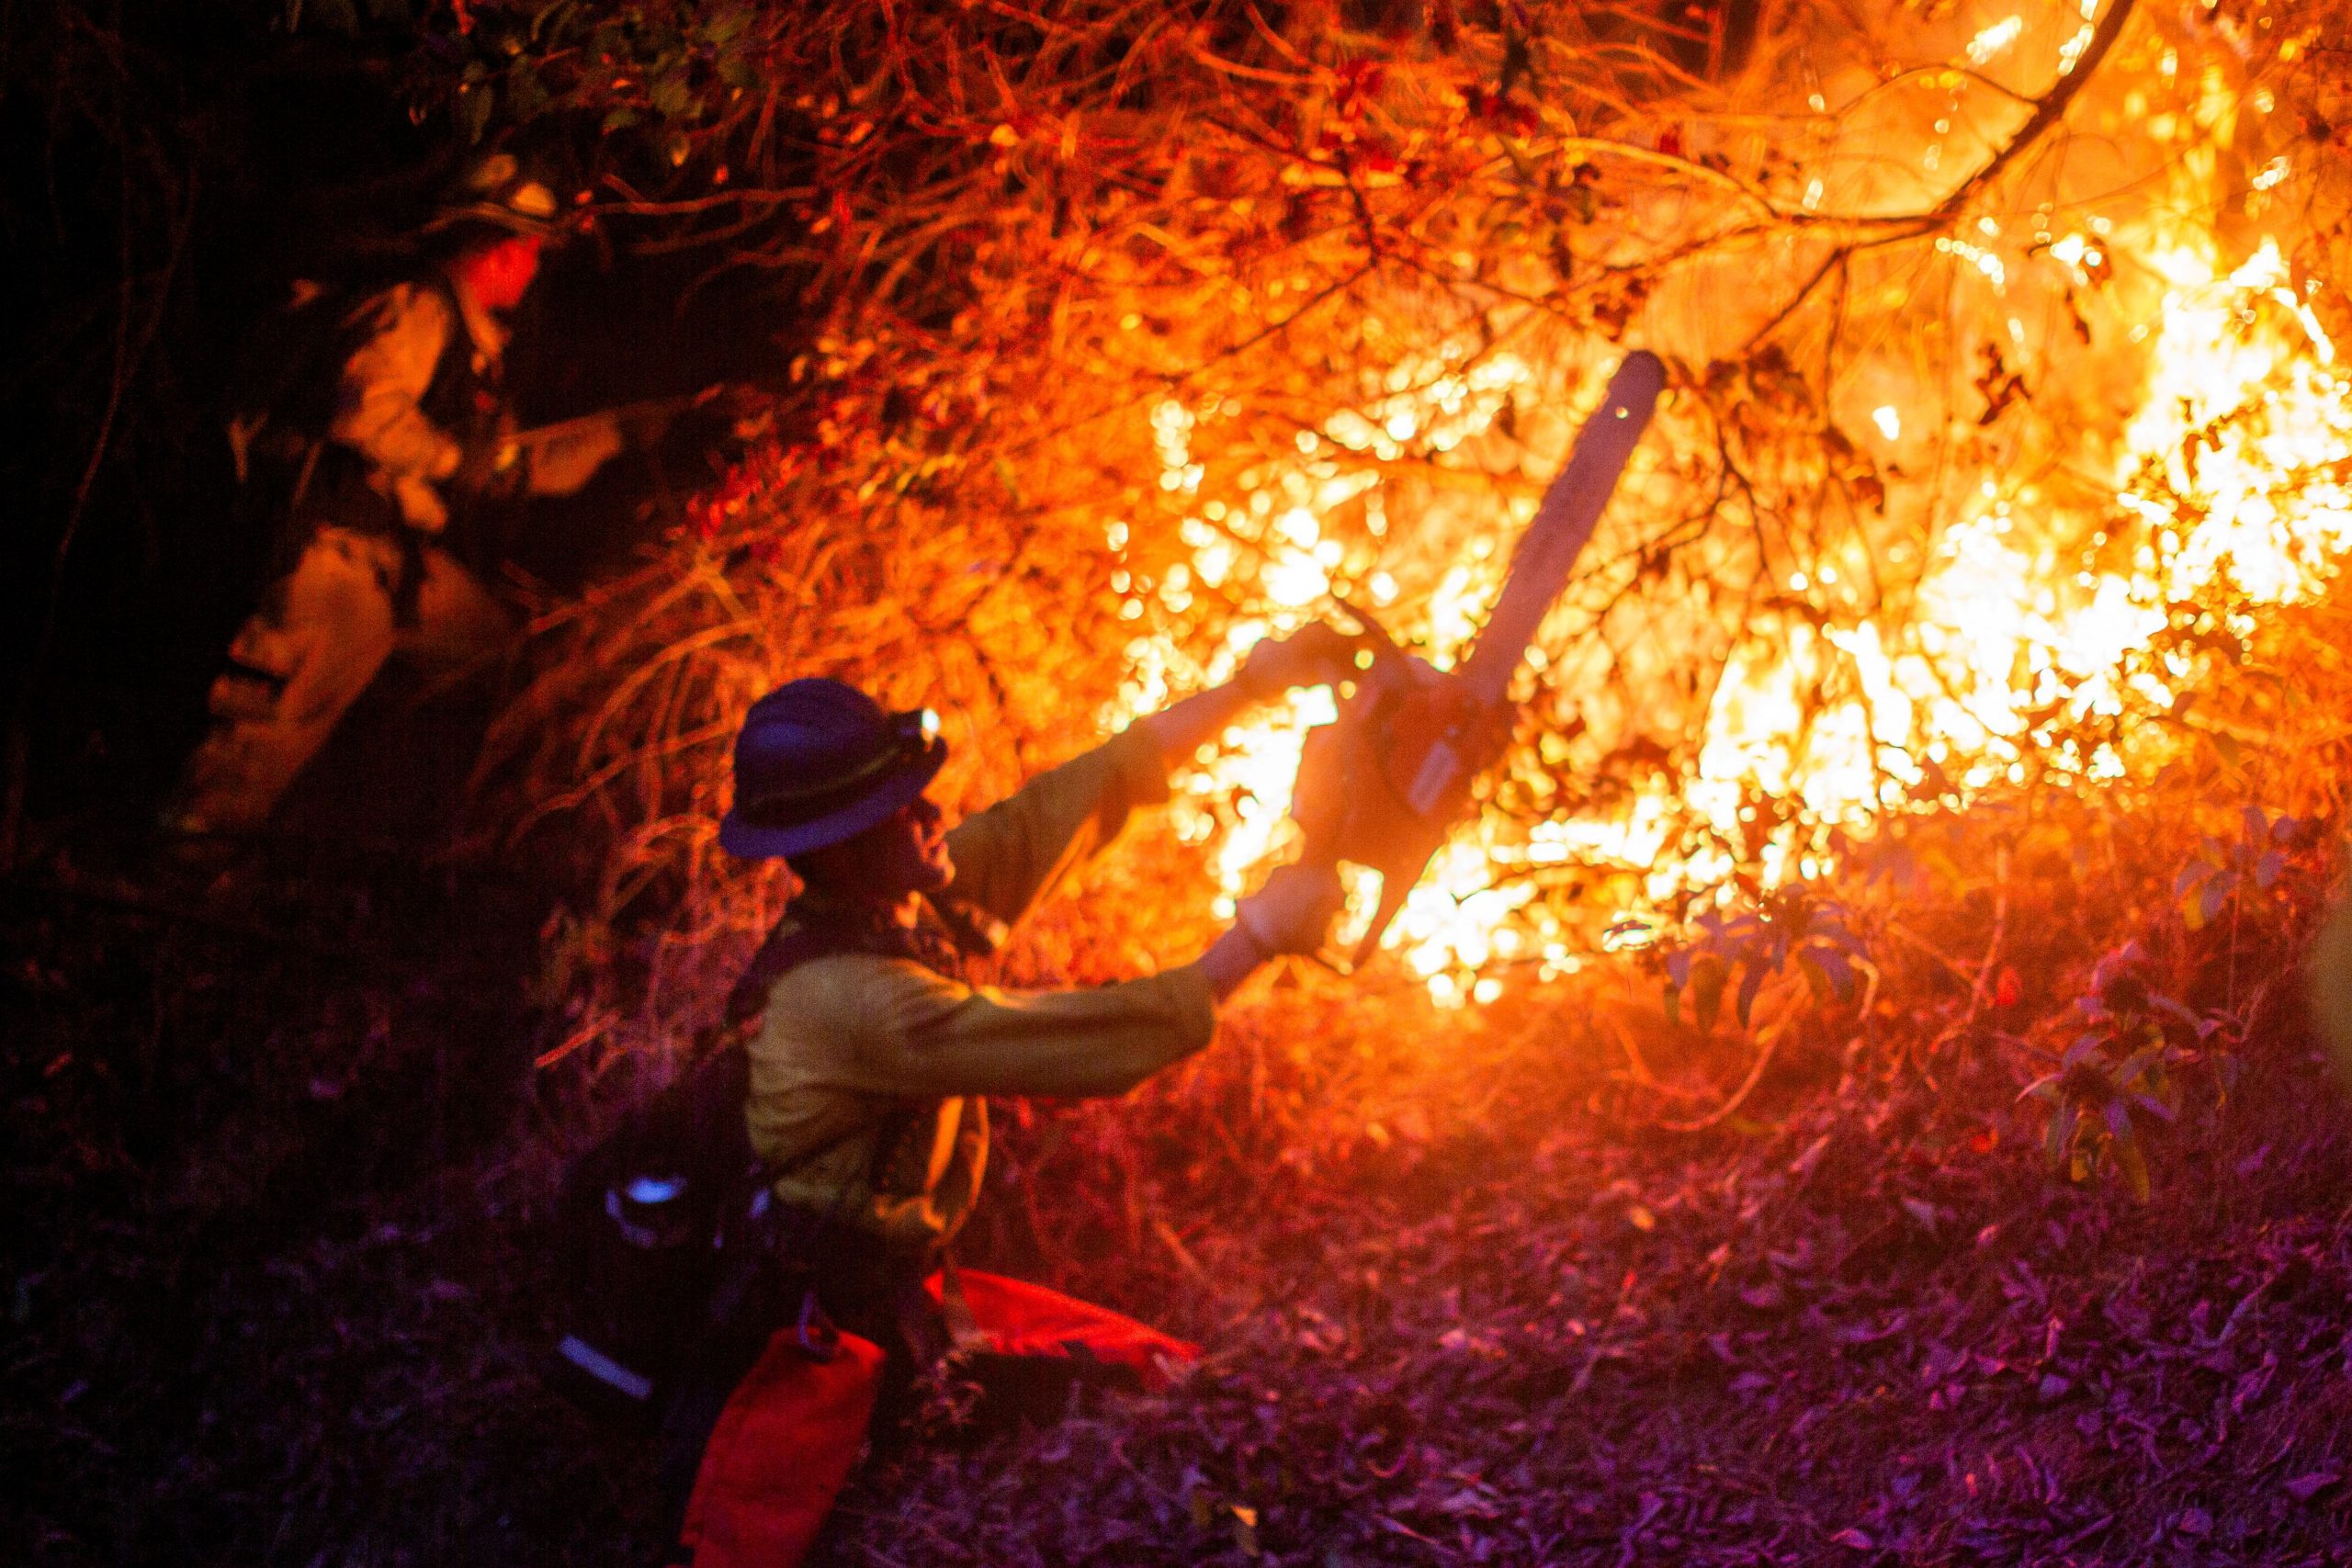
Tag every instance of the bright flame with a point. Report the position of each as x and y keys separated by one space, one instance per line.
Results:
x=2230 y=485
x=1994 y=39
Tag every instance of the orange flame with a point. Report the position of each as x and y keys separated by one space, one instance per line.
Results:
x=2227 y=489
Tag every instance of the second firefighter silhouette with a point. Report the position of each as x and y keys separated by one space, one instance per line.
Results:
x=380 y=469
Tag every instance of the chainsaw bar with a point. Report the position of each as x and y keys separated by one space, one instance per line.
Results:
x=1547 y=552
x=1381 y=787
x=1563 y=524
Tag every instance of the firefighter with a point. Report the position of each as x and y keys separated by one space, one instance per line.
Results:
x=381 y=495
x=873 y=1058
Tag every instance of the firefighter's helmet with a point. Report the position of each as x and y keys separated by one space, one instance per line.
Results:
x=818 y=762
x=499 y=192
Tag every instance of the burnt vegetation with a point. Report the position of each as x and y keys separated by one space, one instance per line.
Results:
x=1891 y=1128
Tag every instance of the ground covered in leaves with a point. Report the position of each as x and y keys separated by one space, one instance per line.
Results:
x=279 y=1164
x=1862 y=1329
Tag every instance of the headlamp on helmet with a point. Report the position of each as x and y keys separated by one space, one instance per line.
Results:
x=498 y=190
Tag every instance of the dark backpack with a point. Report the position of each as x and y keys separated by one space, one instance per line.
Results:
x=665 y=1222
x=646 y=1216
x=286 y=375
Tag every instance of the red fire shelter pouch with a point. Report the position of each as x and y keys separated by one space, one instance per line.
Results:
x=783 y=1448
x=1024 y=1320
x=781 y=1452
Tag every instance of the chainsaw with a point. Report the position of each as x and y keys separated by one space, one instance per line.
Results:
x=1382 y=785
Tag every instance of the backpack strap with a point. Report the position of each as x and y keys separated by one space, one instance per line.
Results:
x=810 y=929
x=786 y=948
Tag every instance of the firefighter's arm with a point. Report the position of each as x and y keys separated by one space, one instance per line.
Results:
x=1012 y=854
x=894 y=1027
x=377 y=411
x=907 y=1031
x=1290 y=915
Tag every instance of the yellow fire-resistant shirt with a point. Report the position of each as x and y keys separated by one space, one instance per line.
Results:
x=380 y=406
x=854 y=1047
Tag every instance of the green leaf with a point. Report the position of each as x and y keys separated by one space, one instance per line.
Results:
x=1245 y=1529
x=620 y=119
x=524 y=96
x=2134 y=1167
x=2061 y=1132
x=474 y=103
x=546 y=22
x=670 y=97
x=1749 y=983
x=1836 y=967
x=1816 y=979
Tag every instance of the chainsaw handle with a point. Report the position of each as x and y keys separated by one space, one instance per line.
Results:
x=1350 y=812
x=1397 y=881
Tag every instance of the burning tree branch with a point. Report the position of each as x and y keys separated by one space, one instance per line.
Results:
x=2048 y=111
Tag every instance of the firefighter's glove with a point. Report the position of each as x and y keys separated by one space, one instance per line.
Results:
x=643 y=426
x=1315 y=654
x=1292 y=911
x=560 y=464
